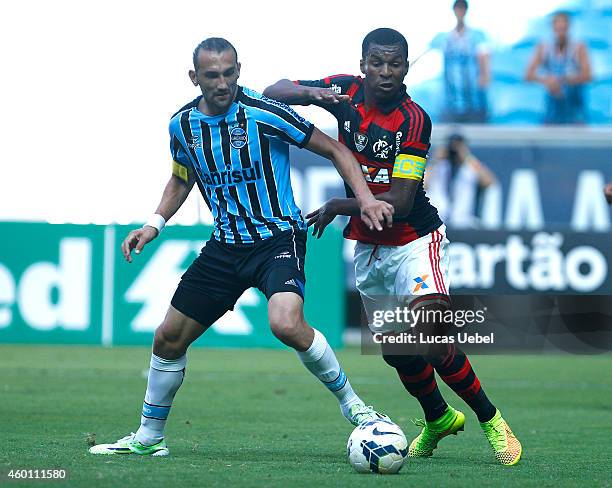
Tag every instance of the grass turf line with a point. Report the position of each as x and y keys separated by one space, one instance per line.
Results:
x=258 y=418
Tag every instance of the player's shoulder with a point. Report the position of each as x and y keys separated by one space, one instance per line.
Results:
x=175 y=119
x=263 y=107
x=412 y=110
x=416 y=126
x=187 y=106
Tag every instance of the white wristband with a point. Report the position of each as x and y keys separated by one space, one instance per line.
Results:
x=157 y=222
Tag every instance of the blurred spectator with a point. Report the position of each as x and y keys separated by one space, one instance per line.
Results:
x=562 y=66
x=608 y=192
x=466 y=70
x=454 y=182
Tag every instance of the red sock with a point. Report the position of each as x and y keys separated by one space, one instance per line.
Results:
x=457 y=372
x=418 y=378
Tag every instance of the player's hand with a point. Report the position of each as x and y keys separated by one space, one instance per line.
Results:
x=136 y=240
x=327 y=96
x=376 y=213
x=608 y=192
x=321 y=218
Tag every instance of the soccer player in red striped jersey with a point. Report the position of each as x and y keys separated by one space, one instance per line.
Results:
x=407 y=263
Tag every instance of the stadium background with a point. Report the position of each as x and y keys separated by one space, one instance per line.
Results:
x=88 y=91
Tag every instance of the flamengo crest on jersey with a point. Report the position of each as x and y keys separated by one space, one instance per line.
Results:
x=240 y=161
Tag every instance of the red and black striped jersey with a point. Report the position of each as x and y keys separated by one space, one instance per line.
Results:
x=376 y=137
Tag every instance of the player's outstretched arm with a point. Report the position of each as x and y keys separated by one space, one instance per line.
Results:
x=175 y=194
x=400 y=197
x=373 y=212
x=288 y=92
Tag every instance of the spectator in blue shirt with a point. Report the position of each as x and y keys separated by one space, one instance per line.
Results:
x=562 y=66
x=466 y=70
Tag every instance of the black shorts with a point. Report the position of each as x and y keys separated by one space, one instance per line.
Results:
x=222 y=272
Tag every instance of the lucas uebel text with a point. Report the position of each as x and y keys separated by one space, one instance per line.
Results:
x=420 y=338
x=398 y=326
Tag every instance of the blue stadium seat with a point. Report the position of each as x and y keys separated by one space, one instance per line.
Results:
x=510 y=65
x=516 y=103
x=527 y=43
x=600 y=102
x=594 y=31
x=601 y=64
x=602 y=8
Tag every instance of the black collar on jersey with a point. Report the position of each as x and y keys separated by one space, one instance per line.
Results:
x=385 y=108
x=238 y=94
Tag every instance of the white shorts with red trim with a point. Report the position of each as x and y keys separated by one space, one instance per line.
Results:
x=412 y=275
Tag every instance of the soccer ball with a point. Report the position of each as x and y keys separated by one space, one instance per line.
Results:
x=377 y=446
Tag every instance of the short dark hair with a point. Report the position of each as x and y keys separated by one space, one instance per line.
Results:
x=384 y=37
x=216 y=44
x=462 y=3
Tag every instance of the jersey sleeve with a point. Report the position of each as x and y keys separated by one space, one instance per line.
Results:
x=414 y=143
x=278 y=119
x=341 y=84
x=181 y=164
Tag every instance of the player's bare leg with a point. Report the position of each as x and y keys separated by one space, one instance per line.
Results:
x=286 y=315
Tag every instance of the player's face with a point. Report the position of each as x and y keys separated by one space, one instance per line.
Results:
x=217 y=76
x=385 y=68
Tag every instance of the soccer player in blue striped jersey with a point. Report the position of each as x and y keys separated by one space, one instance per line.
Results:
x=234 y=144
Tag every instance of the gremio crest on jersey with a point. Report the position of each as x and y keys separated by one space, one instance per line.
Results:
x=361 y=140
x=238 y=138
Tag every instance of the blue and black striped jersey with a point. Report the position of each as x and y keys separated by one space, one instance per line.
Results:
x=241 y=164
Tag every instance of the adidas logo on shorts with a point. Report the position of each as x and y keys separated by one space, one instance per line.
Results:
x=291 y=282
x=284 y=254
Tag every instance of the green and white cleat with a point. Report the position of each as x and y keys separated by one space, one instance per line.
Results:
x=129 y=445
x=360 y=413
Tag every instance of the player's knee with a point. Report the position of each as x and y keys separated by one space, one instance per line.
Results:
x=285 y=327
x=168 y=342
x=286 y=324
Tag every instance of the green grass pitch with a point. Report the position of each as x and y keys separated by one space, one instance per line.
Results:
x=257 y=418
